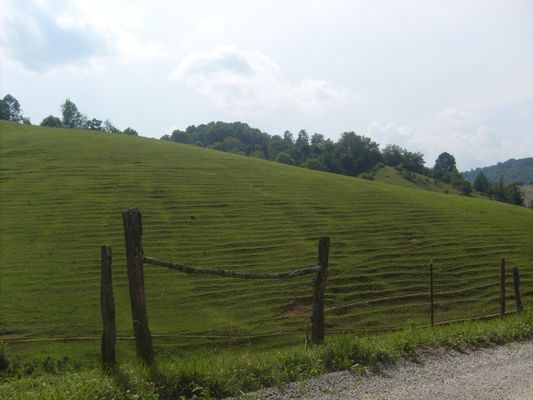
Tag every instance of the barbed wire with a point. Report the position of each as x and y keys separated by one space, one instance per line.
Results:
x=261 y=335
x=230 y=274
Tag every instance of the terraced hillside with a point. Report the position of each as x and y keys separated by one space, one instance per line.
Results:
x=63 y=191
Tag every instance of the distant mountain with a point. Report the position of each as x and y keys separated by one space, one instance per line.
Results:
x=511 y=171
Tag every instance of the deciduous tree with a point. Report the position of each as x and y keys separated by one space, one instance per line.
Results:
x=72 y=118
x=10 y=109
x=51 y=121
x=481 y=183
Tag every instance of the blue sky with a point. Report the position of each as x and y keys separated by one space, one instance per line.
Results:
x=431 y=76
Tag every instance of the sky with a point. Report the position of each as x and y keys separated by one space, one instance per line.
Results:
x=430 y=76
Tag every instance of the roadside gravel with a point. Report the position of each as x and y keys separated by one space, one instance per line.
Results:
x=504 y=372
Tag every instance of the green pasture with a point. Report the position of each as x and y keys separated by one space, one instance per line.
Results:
x=61 y=197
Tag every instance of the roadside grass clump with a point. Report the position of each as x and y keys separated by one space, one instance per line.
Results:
x=91 y=384
x=12 y=365
x=230 y=373
x=471 y=335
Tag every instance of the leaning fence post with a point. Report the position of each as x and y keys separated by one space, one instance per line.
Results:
x=317 y=330
x=516 y=284
x=107 y=306
x=134 y=256
x=502 y=287
x=431 y=304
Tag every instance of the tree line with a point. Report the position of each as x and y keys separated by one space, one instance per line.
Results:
x=508 y=193
x=71 y=117
x=352 y=154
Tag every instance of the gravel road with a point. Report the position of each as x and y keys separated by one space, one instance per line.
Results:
x=504 y=372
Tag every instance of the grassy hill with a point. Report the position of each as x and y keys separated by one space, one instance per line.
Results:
x=62 y=193
x=408 y=179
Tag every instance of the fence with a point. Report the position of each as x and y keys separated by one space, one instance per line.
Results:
x=135 y=264
x=136 y=259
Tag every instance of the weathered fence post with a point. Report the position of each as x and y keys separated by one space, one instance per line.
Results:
x=134 y=256
x=502 y=287
x=317 y=330
x=516 y=284
x=431 y=304
x=107 y=306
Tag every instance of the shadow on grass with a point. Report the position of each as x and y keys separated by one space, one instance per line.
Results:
x=151 y=381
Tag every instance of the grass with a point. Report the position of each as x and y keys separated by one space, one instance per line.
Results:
x=225 y=373
x=401 y=177
x=62 y=193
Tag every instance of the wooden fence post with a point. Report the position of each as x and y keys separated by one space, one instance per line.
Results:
x=502 y=287
x=317 y=330
x=107 y=306
x=134 y=256
x=516 y=284
x=431 y=307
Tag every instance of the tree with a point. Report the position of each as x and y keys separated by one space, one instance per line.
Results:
x=179 y=136
x=72 y=118
x=498 y=190
x=445 y=162
x=463 y=186
x=317 y=140
x=481 y=183
x=109 y=127
x=51 y=121
x=230 y=144
x=94 y=125
x=10 y=109
x=276 y=145
x=285 y=158
x=392 y=155
x=513 y=194
x=288 y=137
x=4 y=110
x=357 y=153
x=130 y=131
x=301 y=147
x=414 y=162
x=314 y=163
x=444 y=167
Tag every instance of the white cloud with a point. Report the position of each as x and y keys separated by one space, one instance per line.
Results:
x=207 y=26
x=487 y=145
x=33 y=35
x=131 y=46
x=239 y=80
x=391 y=133
x=124 y=27
x=80 y=35
x=455 y=116
x=480 y=146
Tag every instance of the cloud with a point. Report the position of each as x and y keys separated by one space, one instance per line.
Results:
x=454 y=116
x=391 y=133
x=487 y=145
x=132 y=47
x=480 y=146
x=46 y=34
x=239 y=80
x=33 y=36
